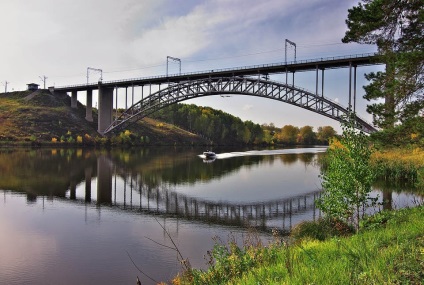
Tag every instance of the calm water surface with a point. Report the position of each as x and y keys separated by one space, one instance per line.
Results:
x=78 y=216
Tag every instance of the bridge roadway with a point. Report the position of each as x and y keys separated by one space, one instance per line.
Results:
x=243 y=80
x=290 y=67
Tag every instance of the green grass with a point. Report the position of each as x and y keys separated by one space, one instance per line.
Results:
x=389 y=250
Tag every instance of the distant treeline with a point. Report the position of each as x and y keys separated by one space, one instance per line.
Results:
x=223 y=128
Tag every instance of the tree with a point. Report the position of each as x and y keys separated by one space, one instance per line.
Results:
x=288 y=134
x=397 y=28
x=306 y=135
x=347 y=178
x=324 y=134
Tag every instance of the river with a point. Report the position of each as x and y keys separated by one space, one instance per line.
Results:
x=79 y=216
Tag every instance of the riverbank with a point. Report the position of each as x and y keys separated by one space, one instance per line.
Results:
x=400 y=165
x=388 y=250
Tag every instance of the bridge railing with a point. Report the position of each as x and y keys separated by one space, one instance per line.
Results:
x=290 y=63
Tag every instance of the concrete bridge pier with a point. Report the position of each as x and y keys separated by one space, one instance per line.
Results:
x=89 y=106
x=74 y=100
x=105 y=108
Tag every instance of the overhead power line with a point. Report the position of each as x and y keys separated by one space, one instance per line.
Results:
x=301 y=45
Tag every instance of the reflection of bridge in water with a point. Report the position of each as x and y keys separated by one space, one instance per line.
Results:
x=169 y=203
x=129 y=193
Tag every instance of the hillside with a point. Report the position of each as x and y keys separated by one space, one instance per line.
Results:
x=27 y=116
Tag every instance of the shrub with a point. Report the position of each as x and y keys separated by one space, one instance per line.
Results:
x=230 y=260
x=347 y=180
x=88 y=139
x=322 y=229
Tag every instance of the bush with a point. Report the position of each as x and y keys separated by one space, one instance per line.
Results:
x=347 y=179
x=322 y=229
x=230 y=260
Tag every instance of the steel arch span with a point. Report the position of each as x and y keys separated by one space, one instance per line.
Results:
x=190 y=89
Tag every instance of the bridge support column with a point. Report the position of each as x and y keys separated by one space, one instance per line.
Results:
x=316 y=81
x=89 y=106
x=105 y=108
x=74 y=99
x=354 y=89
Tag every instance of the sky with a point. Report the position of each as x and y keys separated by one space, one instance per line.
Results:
x=60 y=39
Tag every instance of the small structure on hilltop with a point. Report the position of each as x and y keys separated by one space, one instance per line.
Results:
x=33 y=86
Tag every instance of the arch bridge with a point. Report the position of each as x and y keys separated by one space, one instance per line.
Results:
x=248 y=80
x=190 y=89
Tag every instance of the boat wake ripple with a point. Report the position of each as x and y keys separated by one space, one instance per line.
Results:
x=269 y=152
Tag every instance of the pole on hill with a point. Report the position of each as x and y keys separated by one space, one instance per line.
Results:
x=5 y=86
x=44 y=79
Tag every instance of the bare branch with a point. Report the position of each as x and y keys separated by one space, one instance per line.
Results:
x=140 y=269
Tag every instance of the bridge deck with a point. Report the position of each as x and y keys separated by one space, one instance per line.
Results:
x=297 y=66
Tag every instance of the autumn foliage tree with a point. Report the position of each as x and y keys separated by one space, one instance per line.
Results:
x=288 y=134
x=306 y=135
x=324 y=134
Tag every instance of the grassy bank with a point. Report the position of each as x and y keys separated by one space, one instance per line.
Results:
x=388 y=250
x=400 y=165
x=40 y=118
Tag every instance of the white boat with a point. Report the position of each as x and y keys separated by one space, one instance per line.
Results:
x=209 y=154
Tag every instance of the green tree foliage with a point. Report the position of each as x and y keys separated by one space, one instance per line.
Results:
x=324 y=134
x=306 y=135
x=223 y=128
x=397 y=28
x=410 y=133
x=216 y=125
x=347 y=179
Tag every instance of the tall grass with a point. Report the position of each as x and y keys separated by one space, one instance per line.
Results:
x=391 y=253
x=400 y=165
